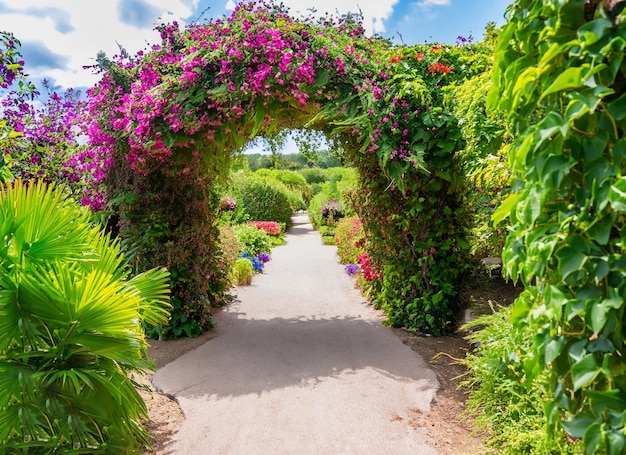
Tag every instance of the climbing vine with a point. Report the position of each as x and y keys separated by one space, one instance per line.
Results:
x=561 y=77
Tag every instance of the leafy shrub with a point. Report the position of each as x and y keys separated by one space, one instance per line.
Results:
x=349 y=237
x=503 y=401
x=314 y=175
x=295 y=182
x=229 y=244
x=265 y=200
x=252 y=240
x=70 y=329
x=241 y=272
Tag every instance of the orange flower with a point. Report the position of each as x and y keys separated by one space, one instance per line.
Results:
x=395 y=59
x=435 y=48
x=419 y=56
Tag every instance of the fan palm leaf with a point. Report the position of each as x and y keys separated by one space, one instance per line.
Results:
x=70 y=329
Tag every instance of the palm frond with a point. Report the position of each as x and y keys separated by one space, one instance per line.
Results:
x=154 y=289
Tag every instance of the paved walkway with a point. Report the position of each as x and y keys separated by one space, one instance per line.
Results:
x=300 y=364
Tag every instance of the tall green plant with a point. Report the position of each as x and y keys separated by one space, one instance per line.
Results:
x=70 y=329
x=561 y=77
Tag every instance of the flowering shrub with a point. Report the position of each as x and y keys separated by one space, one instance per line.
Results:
x=227 y=203
x=258 y=261
x=43 y=140
x=271 y=227
x=349 y=238
x=332 y=211
x=253 y=241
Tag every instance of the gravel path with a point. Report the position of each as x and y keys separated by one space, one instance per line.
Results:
x=300 y=364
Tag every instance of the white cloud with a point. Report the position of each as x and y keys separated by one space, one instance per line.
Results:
x=429 y=3
x=375 y=12
x=93 y=26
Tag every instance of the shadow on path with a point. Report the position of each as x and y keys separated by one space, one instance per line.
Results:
x=273 y=354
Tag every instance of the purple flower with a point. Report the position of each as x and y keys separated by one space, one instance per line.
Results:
x=352 y=269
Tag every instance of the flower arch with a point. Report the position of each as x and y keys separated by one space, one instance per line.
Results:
x=172 y=117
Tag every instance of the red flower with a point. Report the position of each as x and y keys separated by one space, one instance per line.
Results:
x=419 y=56
x=439 y=68
x=435 y=48
x=395 y=59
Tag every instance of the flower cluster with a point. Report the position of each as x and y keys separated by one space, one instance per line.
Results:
x=352 y=269
x=271 y=227
x=49 y=146
x=332 y=209
x=227 y=203
x=258 y=261
x=439 y=68
x=370 y=271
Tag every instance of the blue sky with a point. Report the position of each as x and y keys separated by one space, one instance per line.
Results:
x=59 y=37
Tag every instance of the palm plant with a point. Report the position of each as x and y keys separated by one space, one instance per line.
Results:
x=71 y=335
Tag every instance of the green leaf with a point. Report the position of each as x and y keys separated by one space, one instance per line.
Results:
x=577 y=425
x=593 y=436
x=568 y=79
x=504 y=210
x=617 y=108
x=617 y=195
x=553 y=348
x=572 y=256
x=585 y=371
x=576 y=109
x=600 y=312
x=594 y=30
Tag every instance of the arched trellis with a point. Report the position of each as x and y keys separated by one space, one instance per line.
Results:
x=172 y=117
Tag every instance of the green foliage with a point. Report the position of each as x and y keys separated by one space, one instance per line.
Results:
x=298 y=188
x=561 y=78
x=314 y=175
x=252 y=240
x=241 y=272
x=230 y=246
x=267 y=200
x=71 y=335
x=503 y=401
x=483 y=160
x=169 y=218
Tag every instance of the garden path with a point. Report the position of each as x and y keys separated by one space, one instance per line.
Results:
x=300 y=364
